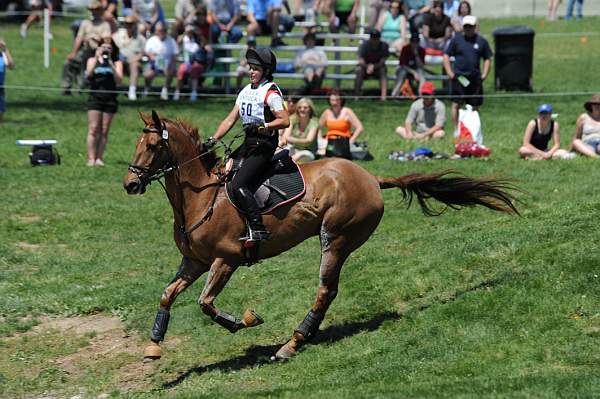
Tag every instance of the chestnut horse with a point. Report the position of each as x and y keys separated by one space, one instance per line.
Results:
x=342 y=204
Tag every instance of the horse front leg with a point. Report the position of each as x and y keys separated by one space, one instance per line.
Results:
x=218 y=276
x=188 y=272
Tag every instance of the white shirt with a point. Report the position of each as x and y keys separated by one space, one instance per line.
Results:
x=253 y=102
x=164 y=50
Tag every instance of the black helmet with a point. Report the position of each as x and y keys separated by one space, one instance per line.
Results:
x=263 y=57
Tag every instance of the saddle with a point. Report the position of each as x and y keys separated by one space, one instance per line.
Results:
x=281 y=184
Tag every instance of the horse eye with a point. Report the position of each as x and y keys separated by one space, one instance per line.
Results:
x=152 y=147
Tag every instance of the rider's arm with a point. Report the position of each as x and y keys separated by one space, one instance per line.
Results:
x=227 y=123
x=282 y=119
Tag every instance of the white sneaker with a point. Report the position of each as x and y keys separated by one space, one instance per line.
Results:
x=132 y=94
x=145 y=92
x=164 y=94
x=176 y=95
x=193 y=95
x=23 y=31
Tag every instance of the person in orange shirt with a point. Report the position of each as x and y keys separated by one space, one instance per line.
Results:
x=342 y=125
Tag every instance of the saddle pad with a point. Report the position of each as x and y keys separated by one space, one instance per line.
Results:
x=284 y=186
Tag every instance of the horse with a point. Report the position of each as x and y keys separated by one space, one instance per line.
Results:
x=342 y=204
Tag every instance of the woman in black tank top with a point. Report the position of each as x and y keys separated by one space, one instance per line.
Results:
x=538 y=134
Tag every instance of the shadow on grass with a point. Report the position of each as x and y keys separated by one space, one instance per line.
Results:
x=261 y=354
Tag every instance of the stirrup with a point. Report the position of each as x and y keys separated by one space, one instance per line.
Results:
x=255 y=235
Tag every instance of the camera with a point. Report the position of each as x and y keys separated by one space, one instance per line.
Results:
x=105 y=57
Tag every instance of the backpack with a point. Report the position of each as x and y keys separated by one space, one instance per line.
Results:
x=44 y=155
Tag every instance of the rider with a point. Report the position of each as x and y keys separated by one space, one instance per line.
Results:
x=261 y=107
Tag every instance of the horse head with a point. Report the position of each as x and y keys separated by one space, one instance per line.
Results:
x=164 y=146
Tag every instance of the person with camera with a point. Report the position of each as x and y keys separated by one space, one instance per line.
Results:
x=261 y=108
x=104 y=71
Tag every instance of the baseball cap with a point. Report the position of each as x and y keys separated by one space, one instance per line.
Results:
x=545 y=108
x=427 y=88
x=470 y=20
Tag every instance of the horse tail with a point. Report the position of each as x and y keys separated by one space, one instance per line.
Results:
x=454 y=190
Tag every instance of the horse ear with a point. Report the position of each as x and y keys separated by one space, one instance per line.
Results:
x=144 y=118
x=156 y=120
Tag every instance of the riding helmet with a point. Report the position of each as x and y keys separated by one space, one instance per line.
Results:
x=263 y=57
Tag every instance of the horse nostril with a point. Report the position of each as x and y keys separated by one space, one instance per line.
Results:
x=132 y=187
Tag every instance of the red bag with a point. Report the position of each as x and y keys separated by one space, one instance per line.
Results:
x=466 y=150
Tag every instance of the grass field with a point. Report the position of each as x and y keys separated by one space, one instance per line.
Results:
x=469 y=304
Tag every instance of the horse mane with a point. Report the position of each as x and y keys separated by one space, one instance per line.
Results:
x=209 y=159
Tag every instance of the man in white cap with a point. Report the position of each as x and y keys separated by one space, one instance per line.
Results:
x=466 y=80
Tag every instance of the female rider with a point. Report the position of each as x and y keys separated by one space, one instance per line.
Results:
x=260 y=105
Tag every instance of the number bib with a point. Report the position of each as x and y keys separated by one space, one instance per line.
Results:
x=253 y=103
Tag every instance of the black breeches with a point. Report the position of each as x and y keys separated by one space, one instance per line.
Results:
x=255 y=165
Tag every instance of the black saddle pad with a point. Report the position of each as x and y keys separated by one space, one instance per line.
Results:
x=283 y=184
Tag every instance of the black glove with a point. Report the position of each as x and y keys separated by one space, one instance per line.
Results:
x=210 y=143
x=256 y=129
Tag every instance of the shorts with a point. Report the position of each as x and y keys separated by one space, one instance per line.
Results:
x=472 y=94
x=108 y=107
x=265 y=28
x=342 y=18
x=594 y=143
x=378 y=73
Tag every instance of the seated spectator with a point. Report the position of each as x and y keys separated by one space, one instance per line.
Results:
x=312 y=63
x=378 y=8
x=417 y=9
x=197 y=56
x=372 y=54
x=243 y=70
x=223 y=15
x=185 y=14
x=301 y=135
x=411 y=65
x=451 y=8
x=343 y=127
x=37 y=7
x=428 y=114
x=392 y=25
x=111 y=13
x=538 y=134
x=89 y=35
x=343 y=13
x=437 y=29
x=149 y=13
x=162 y=52
x=587 y=131
x=6 y=61
x=263 y=19
x=464 y=9
x=131 y=51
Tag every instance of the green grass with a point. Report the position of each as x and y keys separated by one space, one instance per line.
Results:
x=469 y=304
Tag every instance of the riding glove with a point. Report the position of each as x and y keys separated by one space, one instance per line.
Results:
x=210 y=143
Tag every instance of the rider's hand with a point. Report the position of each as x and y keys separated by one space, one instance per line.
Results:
x=210 y=143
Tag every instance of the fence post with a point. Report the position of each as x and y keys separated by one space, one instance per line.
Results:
x=46 y=38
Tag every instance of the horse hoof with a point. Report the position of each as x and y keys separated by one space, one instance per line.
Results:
x=252 y=319
x=285 y=352
x=152 y=352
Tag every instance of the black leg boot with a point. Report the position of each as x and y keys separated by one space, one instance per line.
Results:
x=256 y=229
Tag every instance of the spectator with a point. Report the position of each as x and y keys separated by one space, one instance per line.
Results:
x=392 y=25
x=451 y=8
x=89 y=35
x=312 y=63
x=131 y=51
x=243 y=70
x=301 y=135
x=197 y=56
x=437 y=29
x=552 y=7
x=343 y=13
x=104 y=71
x=185 y=14
x=223 y=15
x=111 y=13
x=263 y=19
x=428 y=114
x=162 y=51
x=464 y=9
x=148 y=12
x=127 y=9
x=343 y=126
x=372 y=54
x=538 y=134
x=579 y=6
x=587 y=131
x=411 y=65
x=37 y=7
x=417 y=9
x=466 y=79
x=6 y=61
x=378 y=8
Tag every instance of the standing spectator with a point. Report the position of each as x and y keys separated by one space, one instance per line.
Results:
x=197 y=58
x=185 y=14
x=392 y=25
x=162 y=51
x=223 y=15
x=343 y=13
x=411 y=65
x=437 y=29
x=243 y=70
x=428 y=114
x=464 y=9
x=579 y=6
x=263 y=19
x=468 y=49
x=552 y=7
x=538 y=134
x=89 y=35
x=37 y=6
x=451 y=8
x=104 y=71
x=301 y=134
x=312 y=63
x=372 y=54
x=417 y=9
x=148 y=12
x=131 y=50
x=6 y=61
x=343 y=126
x=587 y=131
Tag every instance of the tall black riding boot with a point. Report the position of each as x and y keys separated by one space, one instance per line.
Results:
x=256 y=229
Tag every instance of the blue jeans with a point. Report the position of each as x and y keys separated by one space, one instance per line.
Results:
x=234 y=36
x=570 y=4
